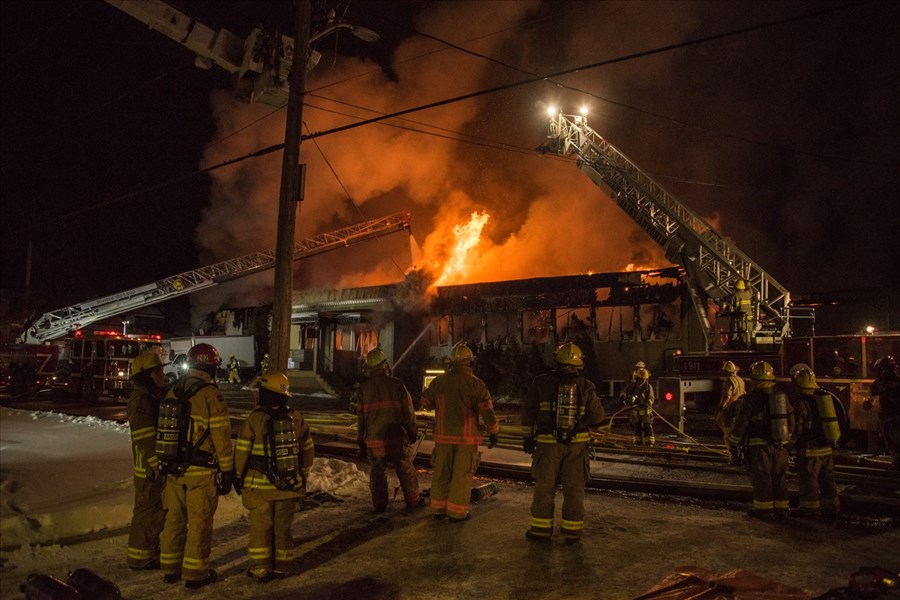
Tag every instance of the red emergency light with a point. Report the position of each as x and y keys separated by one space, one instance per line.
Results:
x=668 y=396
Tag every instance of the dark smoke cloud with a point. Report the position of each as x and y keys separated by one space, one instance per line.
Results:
x=740 y=129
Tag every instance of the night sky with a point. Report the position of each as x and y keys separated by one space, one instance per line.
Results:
x=784 y=137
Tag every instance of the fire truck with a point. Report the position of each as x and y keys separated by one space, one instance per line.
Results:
x=56 y=350
x=783 y=334
x=85 y=363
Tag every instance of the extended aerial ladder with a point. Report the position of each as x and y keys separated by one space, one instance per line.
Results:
x=59 y=322
x=712 y=263
x=261 y=63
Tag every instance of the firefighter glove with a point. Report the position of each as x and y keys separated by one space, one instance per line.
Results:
x=224 y=482
x=529 y=445
x=493 y=439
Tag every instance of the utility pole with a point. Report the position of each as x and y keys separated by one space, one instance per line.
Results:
x=280 y=337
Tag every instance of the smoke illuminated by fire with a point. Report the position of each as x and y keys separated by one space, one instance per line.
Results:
x=545 y=219
x=467 y=236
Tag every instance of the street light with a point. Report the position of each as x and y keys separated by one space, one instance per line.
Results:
x=280 y=336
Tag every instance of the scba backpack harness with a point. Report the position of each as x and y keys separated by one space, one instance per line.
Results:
x=173 y=447
x=281 y=463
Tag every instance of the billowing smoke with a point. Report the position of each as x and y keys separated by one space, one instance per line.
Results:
x=442 y=164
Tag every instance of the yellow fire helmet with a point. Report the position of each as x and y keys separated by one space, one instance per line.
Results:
x=460 y=353
x=729 y=367
x=376 y=358
x=806 y=380
x=740 y=285
x=145 y=361
x=799 y=367
x=569 y=354
x=762 y=371
x=276 y=383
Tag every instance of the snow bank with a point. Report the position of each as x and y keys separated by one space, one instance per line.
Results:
x=64 y=477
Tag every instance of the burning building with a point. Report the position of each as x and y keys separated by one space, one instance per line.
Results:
x=512 y=326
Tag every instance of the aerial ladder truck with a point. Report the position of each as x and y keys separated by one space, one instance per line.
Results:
x=60 y=322
x=712 y=263
x=712 y=266
x=261 y=63
x=55 y=350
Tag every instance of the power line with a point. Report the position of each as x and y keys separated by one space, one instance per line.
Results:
x=460 y=98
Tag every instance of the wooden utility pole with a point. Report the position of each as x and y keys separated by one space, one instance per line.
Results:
x=280 y=337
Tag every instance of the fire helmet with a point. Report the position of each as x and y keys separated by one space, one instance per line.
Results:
x=806 y=380
x=145 y=361
x=730 y=367
x=277 y=383
x=568 y=354
x=740 y=285
x=884 y=366
x=640 y=365
x=203 y=355
x=762 y=371
x=376 y=358
x=460 y=353
x=799 y=368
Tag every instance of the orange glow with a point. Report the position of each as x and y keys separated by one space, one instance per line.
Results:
x=466 y=238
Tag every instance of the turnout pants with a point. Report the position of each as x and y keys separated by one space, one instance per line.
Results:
x=815 y=478
x=568 y=464
x=147 y=519
x=271 y=546
x=190 y=503
x=768 y=477
x=406 y=474
x=451 y=485
x=642 y=420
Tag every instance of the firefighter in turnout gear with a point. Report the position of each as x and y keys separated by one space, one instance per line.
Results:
x=559 y=409
x=148 y=517
x=742 y=316
x=234 y=370
x=764 y=424
x=638 y=394
x=273 y=455
x=732 y=389
x=887 y=388
x=817 y=431
x=386 y=426
x=200 y=471
x=463 y=413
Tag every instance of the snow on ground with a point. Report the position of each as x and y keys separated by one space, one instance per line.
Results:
x=62 y=477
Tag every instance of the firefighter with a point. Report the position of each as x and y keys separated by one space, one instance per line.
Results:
x=234 y=370
x=459 y=398
x=887 y=388
x=273 y=455
x=732 y=389
x=559 y=409
x=637 y=367
x=386 y=426
x=817 y=431
x=638 y=394
x=190 y=496
x=148 y=517
x=764 y=424
x=742 y=318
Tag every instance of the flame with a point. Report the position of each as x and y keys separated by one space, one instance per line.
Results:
x=467 y=236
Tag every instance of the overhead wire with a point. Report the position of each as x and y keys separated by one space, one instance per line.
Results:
x=448 y=101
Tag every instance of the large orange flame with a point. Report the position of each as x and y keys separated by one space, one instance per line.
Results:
x=467 y=236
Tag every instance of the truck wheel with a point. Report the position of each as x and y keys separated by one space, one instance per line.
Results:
x=86 y=389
